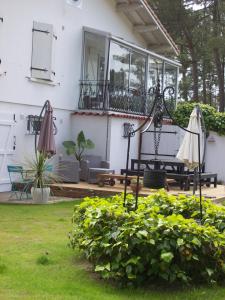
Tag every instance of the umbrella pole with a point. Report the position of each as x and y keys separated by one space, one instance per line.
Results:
x=127 y=166
x=199 y=176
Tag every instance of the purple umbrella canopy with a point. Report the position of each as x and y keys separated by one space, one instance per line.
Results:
x=46 y=142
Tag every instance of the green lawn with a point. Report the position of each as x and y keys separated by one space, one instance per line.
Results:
x=28 y=232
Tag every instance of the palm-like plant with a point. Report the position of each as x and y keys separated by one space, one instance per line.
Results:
x=41 y=171
x=77 y=148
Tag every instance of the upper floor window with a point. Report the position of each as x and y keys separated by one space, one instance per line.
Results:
x=127 y=68
x=94 y=57
x=155 y=72
x=118 y=76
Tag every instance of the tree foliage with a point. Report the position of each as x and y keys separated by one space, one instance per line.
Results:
x=199 y=33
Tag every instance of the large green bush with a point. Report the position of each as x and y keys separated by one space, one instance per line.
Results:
x=161 y=240
x=214 y=120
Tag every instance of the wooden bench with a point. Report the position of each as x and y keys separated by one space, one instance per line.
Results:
x=111 y=179
x=186 y=179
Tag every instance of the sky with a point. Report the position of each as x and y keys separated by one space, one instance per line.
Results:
x=197 y=6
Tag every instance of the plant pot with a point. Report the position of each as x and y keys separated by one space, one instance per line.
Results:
x=134 y=187
x=40 y=195
x=154 y=179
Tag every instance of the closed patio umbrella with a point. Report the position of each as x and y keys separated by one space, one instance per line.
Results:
x=189 y=149
x=46 y=142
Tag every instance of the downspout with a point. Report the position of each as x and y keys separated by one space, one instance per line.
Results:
x=107 y=144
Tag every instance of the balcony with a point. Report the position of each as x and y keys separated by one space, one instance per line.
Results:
x=101 y=95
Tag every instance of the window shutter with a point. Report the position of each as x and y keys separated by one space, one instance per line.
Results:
x=42 y=50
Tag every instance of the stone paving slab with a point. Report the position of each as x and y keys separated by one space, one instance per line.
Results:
x=5 y=199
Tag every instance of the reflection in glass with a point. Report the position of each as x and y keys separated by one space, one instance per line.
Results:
x=119 y=66
x=137 y=71
x=94 y=52
x=170 y=76
x=155 y=72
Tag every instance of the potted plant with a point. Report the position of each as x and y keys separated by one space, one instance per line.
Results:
x=134 y=185
x=41 y=171
x=77 y=148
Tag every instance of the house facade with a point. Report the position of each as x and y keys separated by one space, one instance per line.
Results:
x=95 y=60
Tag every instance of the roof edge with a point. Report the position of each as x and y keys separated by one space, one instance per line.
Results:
x=161 y=26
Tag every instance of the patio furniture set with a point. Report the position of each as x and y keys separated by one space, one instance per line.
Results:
x=174 y=170
x=87 y=169
x=94 y=170
x=22 y=180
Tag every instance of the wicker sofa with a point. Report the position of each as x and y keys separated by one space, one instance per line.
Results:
x=69 y=170
x=91 y=166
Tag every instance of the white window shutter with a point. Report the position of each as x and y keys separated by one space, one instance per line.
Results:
x=42 y=50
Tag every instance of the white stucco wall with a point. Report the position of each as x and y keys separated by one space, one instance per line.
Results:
x=25 y=142
x=22 y=97
x=107 y=134
x=215 y=155
x=169 y=143
x=118 y=145
x=67 y=20
x=94 y=128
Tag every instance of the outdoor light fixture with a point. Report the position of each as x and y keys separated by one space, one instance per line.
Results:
x=33 y=124
x=128 y=129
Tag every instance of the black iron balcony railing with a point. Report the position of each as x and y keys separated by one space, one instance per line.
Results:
x=101 y=95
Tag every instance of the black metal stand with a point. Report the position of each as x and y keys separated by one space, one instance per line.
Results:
x=155 y=116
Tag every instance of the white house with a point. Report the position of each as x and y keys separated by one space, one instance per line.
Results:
x=93 y=59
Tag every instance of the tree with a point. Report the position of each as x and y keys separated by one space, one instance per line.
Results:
x=200 y=35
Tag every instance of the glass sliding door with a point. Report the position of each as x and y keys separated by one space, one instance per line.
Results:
x=170 y=80
x=121 y=77
x=155 y=72
x=92 y=91
x=127 y=75
x=94 y=57
x=119 y=63
x=170 y=76
x=137 y=71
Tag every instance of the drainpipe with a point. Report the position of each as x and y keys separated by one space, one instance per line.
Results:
x=107 y=144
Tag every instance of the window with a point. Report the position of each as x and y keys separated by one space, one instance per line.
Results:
x=137 y=70
x=119 y=76
x=42 y=50
x=155 y=71
x=170 y=76
x=119 y=66
x=94 y=57
x=127 y=67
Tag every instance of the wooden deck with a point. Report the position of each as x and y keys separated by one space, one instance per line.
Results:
x=83 y=189
x=68 y=192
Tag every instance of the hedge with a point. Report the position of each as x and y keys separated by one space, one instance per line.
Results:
x=161 y=241
x=214 y=121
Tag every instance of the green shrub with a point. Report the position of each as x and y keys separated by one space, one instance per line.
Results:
x=214 y=120
x=161 y=240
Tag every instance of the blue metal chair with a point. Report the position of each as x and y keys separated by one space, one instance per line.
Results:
x=19 y=184
x=49 y=168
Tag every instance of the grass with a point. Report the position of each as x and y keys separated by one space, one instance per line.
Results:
x=36 y=263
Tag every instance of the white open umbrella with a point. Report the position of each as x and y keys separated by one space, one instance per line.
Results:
x=188 y=152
